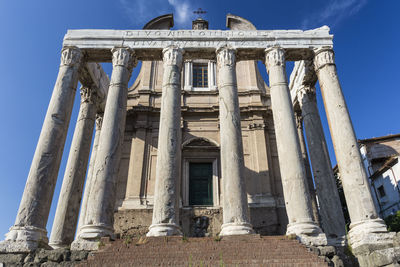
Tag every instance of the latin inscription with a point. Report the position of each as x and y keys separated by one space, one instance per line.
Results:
x=192 y=39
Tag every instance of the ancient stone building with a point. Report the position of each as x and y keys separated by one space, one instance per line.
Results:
x=199 y=145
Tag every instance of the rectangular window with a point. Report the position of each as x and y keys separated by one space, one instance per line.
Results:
x=381 y=191
x=200 y=75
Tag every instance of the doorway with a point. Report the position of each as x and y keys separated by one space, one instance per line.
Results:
x=201 y=184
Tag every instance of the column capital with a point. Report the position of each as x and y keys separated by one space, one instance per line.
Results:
x=274 y=56
x=89 y=95
x=70 y=56
x=124 y=56
x=323 y=56
x=226 y=56
x=173 y=55
x=305 y=90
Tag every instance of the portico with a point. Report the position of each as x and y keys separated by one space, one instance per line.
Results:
x=82 y=52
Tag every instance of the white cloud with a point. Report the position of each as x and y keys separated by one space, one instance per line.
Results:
x=333 y=13
x=182 y=11
x=140 y=12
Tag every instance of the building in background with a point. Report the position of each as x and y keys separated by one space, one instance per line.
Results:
x=381 y=161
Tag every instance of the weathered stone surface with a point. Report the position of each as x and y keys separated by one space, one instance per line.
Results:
x=66 y=217
x=332 y=218
x=302 y=83
x=249 y=43
x=307 y=167
x=166 y=196
x=12 y=258
x=93 y=76
x=30 y=225
x=295 y=187
x=79 y=255
x=99 y=217
x=363 y=215
x=90 y=177
x=337 y=262
x=236 y=214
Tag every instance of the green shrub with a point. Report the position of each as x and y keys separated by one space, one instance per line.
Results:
x=393 y=222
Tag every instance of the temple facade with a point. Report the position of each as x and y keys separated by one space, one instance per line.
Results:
x=199 y=145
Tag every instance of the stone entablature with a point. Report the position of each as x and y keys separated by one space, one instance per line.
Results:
x=250 y=45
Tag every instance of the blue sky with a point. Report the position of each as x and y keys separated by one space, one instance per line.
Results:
x=366 y=45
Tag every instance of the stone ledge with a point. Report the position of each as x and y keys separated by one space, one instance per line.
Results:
x=43 y=257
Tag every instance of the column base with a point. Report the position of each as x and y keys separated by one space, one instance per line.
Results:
x=89 y=237
x=367 y=232
x=307 y=233
x=24 y=239
x=57 y=245
x=164 y=229
x=236 y=229
x=340 y=241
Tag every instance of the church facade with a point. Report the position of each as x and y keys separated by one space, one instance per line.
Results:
x=201 y=181
x=199 y=145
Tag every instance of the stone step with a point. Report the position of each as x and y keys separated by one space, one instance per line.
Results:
x=250 y=250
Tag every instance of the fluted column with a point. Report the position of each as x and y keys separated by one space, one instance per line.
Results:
x=30 y=225
x=90 y=179
x=166 y=195
x=331 y=212
x=235 y=209
x=310 y=182
x=363 y=215
x=66 y=217
x=294 y=181
x=100 y=210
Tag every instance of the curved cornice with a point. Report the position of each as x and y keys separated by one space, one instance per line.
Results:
x=234 y=22
x=164 y=22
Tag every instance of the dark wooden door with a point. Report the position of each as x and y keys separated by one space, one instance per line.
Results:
x=200 y=184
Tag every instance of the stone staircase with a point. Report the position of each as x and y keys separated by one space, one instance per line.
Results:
x=207 y=251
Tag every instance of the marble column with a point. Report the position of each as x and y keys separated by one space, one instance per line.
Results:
x=310 y=182
x=364 y=217
x=66 y=217
x=100 y=210
x=166 y=195
x=235 y=208
x=90 y=179
x=331 y=212
x=30 y=225
x=294 y=181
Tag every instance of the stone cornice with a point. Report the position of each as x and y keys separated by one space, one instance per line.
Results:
x=148 y=44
